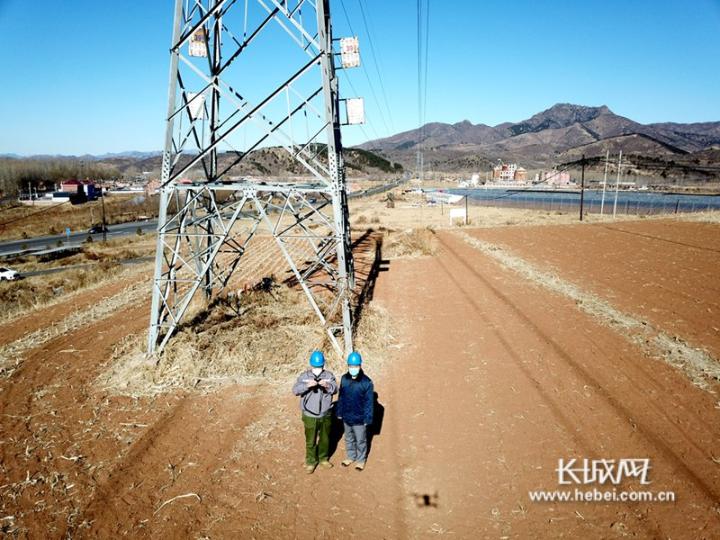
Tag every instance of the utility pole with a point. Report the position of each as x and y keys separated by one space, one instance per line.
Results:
x=466 y=209
x=617 y=185
x=582 y=188
x=602 y=201
x=104 y=227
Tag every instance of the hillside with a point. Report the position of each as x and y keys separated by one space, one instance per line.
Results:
x=559 y=134
x=272 y=162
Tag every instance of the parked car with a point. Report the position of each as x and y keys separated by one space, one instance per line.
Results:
x=95 y=229
x=7 y=273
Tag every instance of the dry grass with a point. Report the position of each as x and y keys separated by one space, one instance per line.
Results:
x=415 y=213
x=29 y=221
x=121 y=248
x=111 y=251
x=30 y=293
x=11 y=354
x=706 y=217
x=279 y=418
x=270 y=341
x=410 y=243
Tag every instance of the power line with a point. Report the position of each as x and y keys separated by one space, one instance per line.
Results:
x=422 y=79
x=362 y=128
x=427 y=55
x=419 y=83
x=362 y=67
x=352 y=86
x=375 y=61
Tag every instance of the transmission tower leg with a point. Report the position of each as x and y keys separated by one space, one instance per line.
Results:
x=156 y=290
x=165 y=192
x=337 y=171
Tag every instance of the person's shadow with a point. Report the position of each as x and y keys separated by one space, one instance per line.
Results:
x=337 y=430
x=378 y=416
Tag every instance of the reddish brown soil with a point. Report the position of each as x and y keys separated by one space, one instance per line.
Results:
x=492 y=381
x=663 y=271
x=18 y=327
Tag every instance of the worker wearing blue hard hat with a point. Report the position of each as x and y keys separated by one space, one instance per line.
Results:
x=355 y=409
x=316 y=387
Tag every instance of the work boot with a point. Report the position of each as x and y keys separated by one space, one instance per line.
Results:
x=360 y=465
x=326 y=464
x=347 y=462
x=310 y=468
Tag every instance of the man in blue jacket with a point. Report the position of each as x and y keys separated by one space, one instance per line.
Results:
x=316 y=387
x=355 y=408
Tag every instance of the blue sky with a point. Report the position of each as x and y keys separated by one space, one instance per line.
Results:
x=88 y=76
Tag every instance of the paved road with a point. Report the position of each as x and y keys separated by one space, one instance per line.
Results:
x=127 y=229
x=75 y=238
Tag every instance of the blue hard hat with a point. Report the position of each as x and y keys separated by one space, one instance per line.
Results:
x=317 y=359
x=354 y=359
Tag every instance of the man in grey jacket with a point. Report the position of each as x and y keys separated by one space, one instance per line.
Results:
x=316 y=388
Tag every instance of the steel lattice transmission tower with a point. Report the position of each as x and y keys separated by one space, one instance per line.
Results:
x=245 y=75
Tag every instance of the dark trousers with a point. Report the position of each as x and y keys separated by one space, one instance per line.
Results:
x=317 y=438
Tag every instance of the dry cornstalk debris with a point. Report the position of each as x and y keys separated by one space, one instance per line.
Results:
x=185 y=496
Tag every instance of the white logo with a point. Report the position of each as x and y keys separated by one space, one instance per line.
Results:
x=601 y=471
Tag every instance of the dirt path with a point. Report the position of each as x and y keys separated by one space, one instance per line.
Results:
x=56 y=434
x=528 y=380
x=495 y=380
x=42 y=317
x=492 y=381
x=75 y=461
x=663 y=271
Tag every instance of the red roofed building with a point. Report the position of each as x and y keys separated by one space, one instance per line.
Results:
x=70 y=186
x=86 y=187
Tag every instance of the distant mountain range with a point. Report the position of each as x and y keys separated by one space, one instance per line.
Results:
x=557 y=135
x=87 y=157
